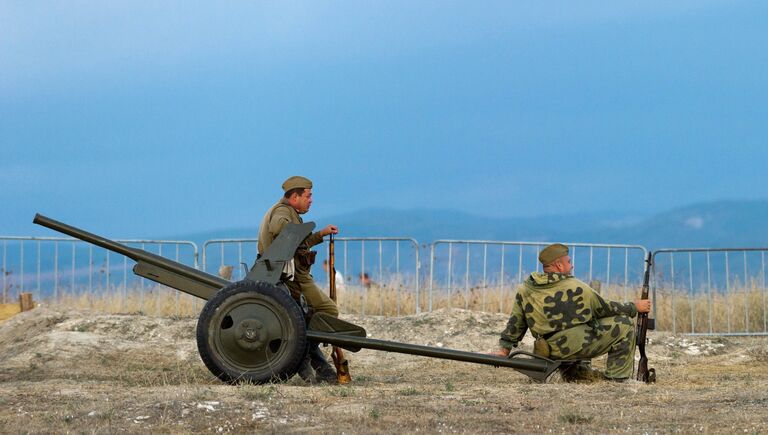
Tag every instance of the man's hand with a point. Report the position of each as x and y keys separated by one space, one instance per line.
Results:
x=643 y=305
x=330 y=229
x=501 y=352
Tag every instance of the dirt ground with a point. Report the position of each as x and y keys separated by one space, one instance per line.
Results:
x=79 y=371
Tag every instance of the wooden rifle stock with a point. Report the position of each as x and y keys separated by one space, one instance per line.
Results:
x=644 y=323
x=337 y=354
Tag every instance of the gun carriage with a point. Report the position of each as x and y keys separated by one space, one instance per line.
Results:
x=253 y=330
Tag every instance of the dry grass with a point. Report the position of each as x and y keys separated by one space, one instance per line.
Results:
x=9 y=310
x=157 y=300
x=743 y=310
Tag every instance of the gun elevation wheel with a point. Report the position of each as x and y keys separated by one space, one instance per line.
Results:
x=252 y=331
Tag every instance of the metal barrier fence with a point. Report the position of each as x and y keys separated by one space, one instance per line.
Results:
x=396 y=276
x=502 y=266
x=383 y=267
x=50 y=267
x=711 y=291
x=239 y=254
x=695 y=291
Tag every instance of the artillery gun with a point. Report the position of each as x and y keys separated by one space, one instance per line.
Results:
x=253 y=330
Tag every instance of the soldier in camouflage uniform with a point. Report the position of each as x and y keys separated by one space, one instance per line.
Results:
x=570 y=320
x=297 y=199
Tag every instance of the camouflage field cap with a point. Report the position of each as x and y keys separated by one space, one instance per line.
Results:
x=296 y=182
x=552 y=253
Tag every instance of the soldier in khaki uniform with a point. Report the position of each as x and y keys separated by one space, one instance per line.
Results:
x=569 y=320
x=297 y=199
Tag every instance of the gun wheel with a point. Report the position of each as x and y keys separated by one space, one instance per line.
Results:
x=253 y=332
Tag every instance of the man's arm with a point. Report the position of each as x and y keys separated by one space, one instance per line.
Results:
x=515 y=330
x=317 y=237
x=602 y=308
x=281 y=216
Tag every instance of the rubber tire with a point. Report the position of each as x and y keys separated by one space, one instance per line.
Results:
x=296 y=343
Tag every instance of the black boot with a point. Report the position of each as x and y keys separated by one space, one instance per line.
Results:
x=580 y=371
x=324 y=372
x=305 y=371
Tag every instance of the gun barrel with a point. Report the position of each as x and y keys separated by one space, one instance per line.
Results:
x=86 y=236
x=154 y=267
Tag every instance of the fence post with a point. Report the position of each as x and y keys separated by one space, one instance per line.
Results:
x=26 y=302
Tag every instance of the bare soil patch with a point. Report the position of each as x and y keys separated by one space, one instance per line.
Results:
x=81 y=371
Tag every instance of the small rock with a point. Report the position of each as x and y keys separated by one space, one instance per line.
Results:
x=206 y=407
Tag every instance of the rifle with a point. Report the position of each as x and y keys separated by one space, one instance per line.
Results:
x=341 y=363
x=643 y=325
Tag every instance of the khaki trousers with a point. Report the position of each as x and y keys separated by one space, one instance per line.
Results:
x=316 y=298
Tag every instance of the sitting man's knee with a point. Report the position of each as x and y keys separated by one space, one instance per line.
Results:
x=625 y=330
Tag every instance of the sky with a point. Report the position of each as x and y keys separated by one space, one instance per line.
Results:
x=140 y=119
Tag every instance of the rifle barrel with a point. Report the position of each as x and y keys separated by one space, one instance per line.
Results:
x=332 y=268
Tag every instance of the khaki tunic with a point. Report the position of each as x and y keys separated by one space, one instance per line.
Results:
x=273 y=222
x=576 y=321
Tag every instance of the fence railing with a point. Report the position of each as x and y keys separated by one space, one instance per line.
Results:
x=695 y=291
x=239 y=254
x=50 y=267
x=387 y=270
x=483 y=273
x=711 y=291
x=383 y=268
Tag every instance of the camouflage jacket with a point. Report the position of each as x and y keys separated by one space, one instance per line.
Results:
x=274 y=221
x=552 y=302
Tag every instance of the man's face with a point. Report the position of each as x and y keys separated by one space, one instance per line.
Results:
x=301 y=203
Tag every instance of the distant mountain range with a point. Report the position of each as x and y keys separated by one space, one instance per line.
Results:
x=709 y=224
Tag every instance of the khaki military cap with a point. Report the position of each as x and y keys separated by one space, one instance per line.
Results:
x=297 y=182
x=552 y=253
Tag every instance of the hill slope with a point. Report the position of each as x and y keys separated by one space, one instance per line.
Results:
x=710 y=224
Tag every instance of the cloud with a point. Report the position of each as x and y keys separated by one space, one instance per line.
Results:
x=695 y=222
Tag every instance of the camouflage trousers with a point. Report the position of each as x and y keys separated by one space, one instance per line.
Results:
x=612 y=335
